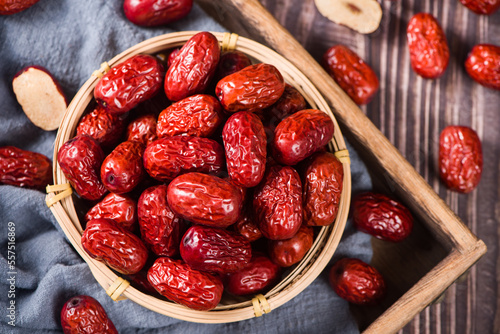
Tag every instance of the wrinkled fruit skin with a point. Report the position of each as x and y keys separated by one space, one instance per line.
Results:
x=23 y=168
x=351 y=73
x=142 y=129
x=247 y=226
x=251 y=89
x=85 y=315
x=290 y=102
x=121 y=250
x=322 y=184
x=245 y=146
x=161 y=228
x=214 y=250
x=193 y=67
x=122 y=169
x=149 y=13
x=429 y=52
x=9 y=7
x=483 y=65
x=231 y=62
x=286 y=253
x=482 y=7
x=382 y=217
x=186 y=286
x=259 y=274
x=120 y=208
x=205 y=199
x=197 y=115
x=300 y=135
x=129 y=83
x=104 y=127
x=460 y=158
x=80 y=160
x=277 y=203
x=166 y=158
x=357 y=282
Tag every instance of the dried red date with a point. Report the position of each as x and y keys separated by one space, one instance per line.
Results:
x=300 y=135
x=205 y=199
x=193 y=68
x=166 y=158
x=460 y=158
x=483 y=65
x=482 y=7
x=104 y=127
x=247 y=226
x=106 y=241
x=231 y=62
x=122 y=169
x=429 y=52
x=142 y=129
x=382 y=217
x=278 y=203
x=286 y=253
x=251 y=89
x=357 y=282
x=80 y=159
x=258 y=275
x=289 y=103
x=161 y=228
x=129 y=83
x=85 y=315
x=149 y=13
x=322 y=184
x=120 y=208
x=23 y=168
x=214 y=250
x=246 y=148
x=351 y=73
x=186 y=286
x=171 y=56
x=9 y=7
x=197 y=115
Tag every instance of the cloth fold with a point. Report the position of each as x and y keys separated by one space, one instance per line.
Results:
x=71 y=39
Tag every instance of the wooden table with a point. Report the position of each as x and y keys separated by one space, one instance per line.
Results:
x=411 y=112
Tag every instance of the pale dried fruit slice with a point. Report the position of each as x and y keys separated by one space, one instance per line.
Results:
x=40 y=97
x=361 y=15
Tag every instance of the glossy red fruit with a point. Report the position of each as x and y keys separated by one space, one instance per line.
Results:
x=214 y=250
x=9 y=7
x=231 y=62
x=482 y=7
x=104 y=127
x=193 y=68
x=181 y=284
x=382 y=217
x=290 y=102
x=120 y=208
x=460 y=158
x=300 y=135
x=85 y=315
x=483 y=65
x=122 y=169
x=277 y=203
x=197 y=115
x=80 y=160
x=256 y=277
x=245 y=146
x=247 y=226
x=429 y=52
x=251 y=89
x=357 y=282
x=106 y=241
x=142 y=129
x=23 y=168
x=149 y=13
x=351 y=73
x=205 y=199
x=322 y=184
x=171 y=56
x=161 y=228
x=129 y=83
x=286 y=253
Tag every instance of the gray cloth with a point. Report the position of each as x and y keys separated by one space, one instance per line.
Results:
x=71 y=38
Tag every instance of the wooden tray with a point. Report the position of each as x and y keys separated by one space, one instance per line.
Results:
x=440 y=250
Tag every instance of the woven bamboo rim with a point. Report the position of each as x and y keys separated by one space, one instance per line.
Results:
x=63 y=207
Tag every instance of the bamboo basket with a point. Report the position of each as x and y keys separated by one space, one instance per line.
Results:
x=63 y=205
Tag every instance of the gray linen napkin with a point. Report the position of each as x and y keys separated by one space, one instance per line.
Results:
x=71 y=38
